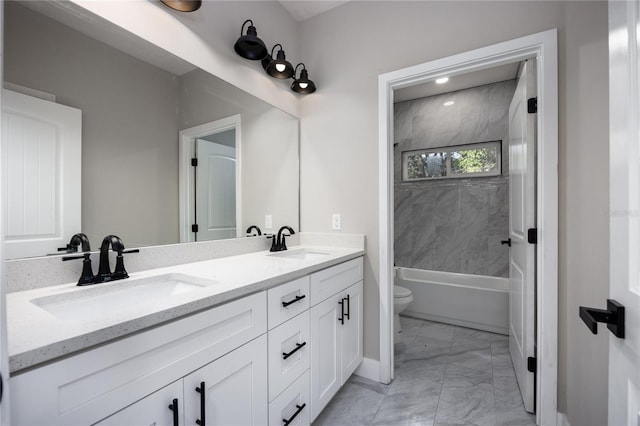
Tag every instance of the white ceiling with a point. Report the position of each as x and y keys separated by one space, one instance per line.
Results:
x=301 y=10
x=457 y=82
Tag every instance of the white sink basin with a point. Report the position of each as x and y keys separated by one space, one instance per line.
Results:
x=300 y=254
x=129 y=295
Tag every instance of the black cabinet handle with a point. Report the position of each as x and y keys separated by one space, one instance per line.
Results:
x=613 y=316
x=348 y=307
x=507 y=242
x=341 y=319
x=174 y=407
x=286 y=355
x=297 y=299
x=290 y=419
x=200 y=390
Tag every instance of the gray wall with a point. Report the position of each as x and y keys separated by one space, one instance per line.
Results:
x=453 y=225
x=368 y=38
x=129 y=125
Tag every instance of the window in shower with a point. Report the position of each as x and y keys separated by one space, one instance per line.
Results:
x=473 y=160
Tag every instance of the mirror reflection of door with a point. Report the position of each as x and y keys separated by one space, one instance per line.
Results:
x=215 y=201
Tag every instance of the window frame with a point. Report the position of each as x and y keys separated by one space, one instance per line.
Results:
x=448 y=150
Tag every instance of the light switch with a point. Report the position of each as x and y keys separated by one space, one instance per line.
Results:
x=336 y=222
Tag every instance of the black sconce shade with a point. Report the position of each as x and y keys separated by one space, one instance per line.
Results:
x=303 y=84
x=279 y=67
x=183 y=5
x=249 y=46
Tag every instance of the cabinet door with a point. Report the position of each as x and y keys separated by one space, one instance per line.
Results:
x=325 y=353
x=235 y=388
x=351 y=332
x=152 y=410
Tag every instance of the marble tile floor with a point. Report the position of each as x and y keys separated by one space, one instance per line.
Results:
x=444 y=375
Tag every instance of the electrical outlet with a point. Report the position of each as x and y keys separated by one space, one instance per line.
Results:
x=268 y=221
x=336 y=221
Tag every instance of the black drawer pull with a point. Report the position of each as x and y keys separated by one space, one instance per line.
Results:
x=290 y=302
x=174 y=407
x=341 y=319
x=200 y=390
x=286 y=355
x=290 y=419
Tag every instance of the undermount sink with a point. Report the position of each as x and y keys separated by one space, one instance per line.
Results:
x=300 y=254
x=120 y=296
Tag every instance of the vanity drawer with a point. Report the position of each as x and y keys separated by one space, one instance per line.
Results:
x=295 y=399
x=287 y=300
x=92 y=385
x=330 y=281
x=289 y=353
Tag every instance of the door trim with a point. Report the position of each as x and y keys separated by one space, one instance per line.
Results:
x=186 y=187
x=544 y=46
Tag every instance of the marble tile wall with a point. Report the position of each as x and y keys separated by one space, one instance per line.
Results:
x=453 y=225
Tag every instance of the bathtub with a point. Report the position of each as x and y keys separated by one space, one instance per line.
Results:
x=475 y=301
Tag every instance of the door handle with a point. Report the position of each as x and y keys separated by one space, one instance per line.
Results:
x=507 y=242
x=348 y=307
x=203 y=401
x=174 y=407
x=341 y=319
x=613 y=316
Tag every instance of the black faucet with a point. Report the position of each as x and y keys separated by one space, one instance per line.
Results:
x=104 y=270
x=249 y=229
x=279 y=243
x=80 y=239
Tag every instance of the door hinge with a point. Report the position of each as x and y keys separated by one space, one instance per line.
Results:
x=194 y=162
x=194 y=227
x=532 y=105
x=531 y=364
x=532 y=235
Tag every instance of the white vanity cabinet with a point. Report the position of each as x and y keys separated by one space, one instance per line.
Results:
x=89 y=387
x=336 y=330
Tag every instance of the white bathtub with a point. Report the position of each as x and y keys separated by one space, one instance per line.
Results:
x=475 y=301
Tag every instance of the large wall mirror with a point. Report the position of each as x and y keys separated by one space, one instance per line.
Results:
x=139 y=119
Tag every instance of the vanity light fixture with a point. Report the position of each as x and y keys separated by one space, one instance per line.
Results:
x=279 y=67
x=183 y=5
x=303 y=84
x=249 y=46
x=442 y=80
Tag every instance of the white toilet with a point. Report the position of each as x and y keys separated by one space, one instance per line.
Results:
x=401 y=299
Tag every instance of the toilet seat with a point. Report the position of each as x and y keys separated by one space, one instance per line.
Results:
x=401 y=291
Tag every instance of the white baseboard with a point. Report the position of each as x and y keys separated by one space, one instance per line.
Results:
x=369 y=369
x=562 y=420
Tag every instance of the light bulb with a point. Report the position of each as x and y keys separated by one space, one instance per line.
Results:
x=280 y=67
x=442 y=80
x=448 y=103
x=304 y=85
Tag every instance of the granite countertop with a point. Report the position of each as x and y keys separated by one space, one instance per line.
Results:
x=36 y=335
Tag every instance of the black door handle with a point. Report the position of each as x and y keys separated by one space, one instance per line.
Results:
x=297 y=299
x=290 y=419
x=341 y=319
x=348 y=307
x=200 y=390
x=613 y=316
x=507 y=242
x=174 y=407
x=286 y=355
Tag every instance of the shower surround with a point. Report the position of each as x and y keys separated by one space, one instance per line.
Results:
x=453 y=225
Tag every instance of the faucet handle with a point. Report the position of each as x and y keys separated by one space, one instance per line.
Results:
x=87 y=276
x=121 y=273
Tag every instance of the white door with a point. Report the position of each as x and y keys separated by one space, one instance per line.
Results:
x=235 y=388
x=624 y=190
x=215 y=191
x=41 y=154
x=161 y=408
x=352 y=337
x=521 y=219
x=325 y=353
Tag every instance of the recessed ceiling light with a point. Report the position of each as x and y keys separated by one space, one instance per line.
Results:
x=442 y=80
x=448 y=103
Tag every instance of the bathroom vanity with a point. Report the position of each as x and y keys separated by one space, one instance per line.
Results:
x=258 y=338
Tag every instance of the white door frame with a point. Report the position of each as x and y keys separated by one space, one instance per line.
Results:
x=544 y=47
x=186 y=184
